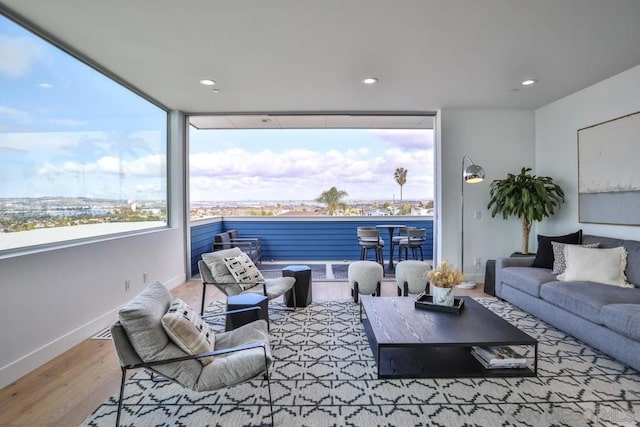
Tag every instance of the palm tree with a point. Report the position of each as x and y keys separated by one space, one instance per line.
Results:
x=333 y=199
x=400 y=175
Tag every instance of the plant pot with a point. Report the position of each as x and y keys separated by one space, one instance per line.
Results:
x=442 y=296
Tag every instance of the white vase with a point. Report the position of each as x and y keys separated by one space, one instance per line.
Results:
x=442 y=296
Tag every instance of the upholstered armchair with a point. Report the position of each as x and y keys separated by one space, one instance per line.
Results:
x=215 y=271
x=144 y=338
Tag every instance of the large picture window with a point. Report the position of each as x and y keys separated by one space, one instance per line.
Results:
x=80 y=155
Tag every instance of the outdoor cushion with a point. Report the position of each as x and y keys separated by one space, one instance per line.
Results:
x=622 y=318
x=527 y=279
x=586 y=299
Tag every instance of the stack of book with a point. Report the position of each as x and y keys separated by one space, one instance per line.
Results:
x=499 y=357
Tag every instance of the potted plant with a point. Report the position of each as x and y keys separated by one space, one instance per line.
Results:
x=527 y=197
x=442 y=280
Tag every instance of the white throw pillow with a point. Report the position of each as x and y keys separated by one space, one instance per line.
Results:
x=244 y=271
x=559 y=258
x=215 y=262
x=186 y=328
x=596 y=265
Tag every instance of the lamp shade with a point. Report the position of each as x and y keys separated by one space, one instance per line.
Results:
x=473 y=174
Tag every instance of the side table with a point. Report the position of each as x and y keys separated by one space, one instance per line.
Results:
x=235 y=302
x=490 y=278
x=303 y=287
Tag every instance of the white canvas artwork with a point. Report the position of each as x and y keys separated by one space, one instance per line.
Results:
x=608 y=180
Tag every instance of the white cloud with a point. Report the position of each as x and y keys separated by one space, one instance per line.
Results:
x=236 y=174
x=17 y=56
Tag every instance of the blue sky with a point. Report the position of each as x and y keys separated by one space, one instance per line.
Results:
x=66 y=130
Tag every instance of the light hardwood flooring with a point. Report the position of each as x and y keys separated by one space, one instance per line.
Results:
x=66 y=390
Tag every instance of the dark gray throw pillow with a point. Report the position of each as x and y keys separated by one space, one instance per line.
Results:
x=544 y=255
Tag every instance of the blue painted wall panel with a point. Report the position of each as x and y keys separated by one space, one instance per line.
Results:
x=306 y=240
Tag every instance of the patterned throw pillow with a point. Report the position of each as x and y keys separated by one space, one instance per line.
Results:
x=188 y=331
x=244 y=271
x=559 y=257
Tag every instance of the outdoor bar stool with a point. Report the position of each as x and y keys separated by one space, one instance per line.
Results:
x=365 y=277
x=416 y=238
x=411 y=277
x=369 y=238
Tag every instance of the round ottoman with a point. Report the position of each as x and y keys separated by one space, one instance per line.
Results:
x=365 y=277
x=411 y=277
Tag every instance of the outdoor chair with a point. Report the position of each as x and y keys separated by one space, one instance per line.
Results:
x=142 y=341
x=395 y=240
x=251 y=245
x=214 y=271
x=369 y=238
x=415 y=240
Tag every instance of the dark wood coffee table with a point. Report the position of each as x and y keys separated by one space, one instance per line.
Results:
x=413 y=343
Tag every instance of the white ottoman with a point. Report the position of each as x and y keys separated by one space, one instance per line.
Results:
x=411 y=277
x=365 y=277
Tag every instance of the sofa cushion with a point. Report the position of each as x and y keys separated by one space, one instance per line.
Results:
x=596 y=265
x=633 y=254
x=559 y=256
x=544 y=255
x=527 y=279
x=586 y=299
x=622 y=318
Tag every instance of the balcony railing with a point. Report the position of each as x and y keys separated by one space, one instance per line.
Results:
x=302 y=238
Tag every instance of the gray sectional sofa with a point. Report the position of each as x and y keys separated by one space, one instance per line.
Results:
x=606 y=317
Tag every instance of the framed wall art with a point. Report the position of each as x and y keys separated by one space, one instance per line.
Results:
x=608 y=172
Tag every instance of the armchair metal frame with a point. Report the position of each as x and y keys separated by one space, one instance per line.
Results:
x=151 y=365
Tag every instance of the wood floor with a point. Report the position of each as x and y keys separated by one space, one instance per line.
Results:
x=66 y=390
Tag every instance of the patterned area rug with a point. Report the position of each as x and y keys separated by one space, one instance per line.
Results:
x=324 y=374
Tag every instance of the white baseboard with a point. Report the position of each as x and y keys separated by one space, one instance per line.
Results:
x=27 y=363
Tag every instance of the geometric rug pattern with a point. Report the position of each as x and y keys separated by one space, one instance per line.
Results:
x=324 y=374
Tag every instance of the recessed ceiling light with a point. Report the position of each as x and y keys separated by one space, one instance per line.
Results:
x=207 y=82
x=528 y=82
x=370 y=80
x=215 y=90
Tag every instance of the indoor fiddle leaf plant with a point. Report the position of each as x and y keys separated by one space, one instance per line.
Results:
x=527 y=197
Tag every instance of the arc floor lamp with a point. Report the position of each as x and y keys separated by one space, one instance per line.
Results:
x=472 y=174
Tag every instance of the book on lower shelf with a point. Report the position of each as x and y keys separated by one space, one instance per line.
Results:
x=499 y=357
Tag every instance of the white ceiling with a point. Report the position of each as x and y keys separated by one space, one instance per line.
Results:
x=294 y=56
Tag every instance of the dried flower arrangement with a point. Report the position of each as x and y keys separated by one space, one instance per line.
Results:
x=445 y=276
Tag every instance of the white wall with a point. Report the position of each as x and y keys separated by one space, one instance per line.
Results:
x=52 y=300
x=500 y=141
x=557 y=145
